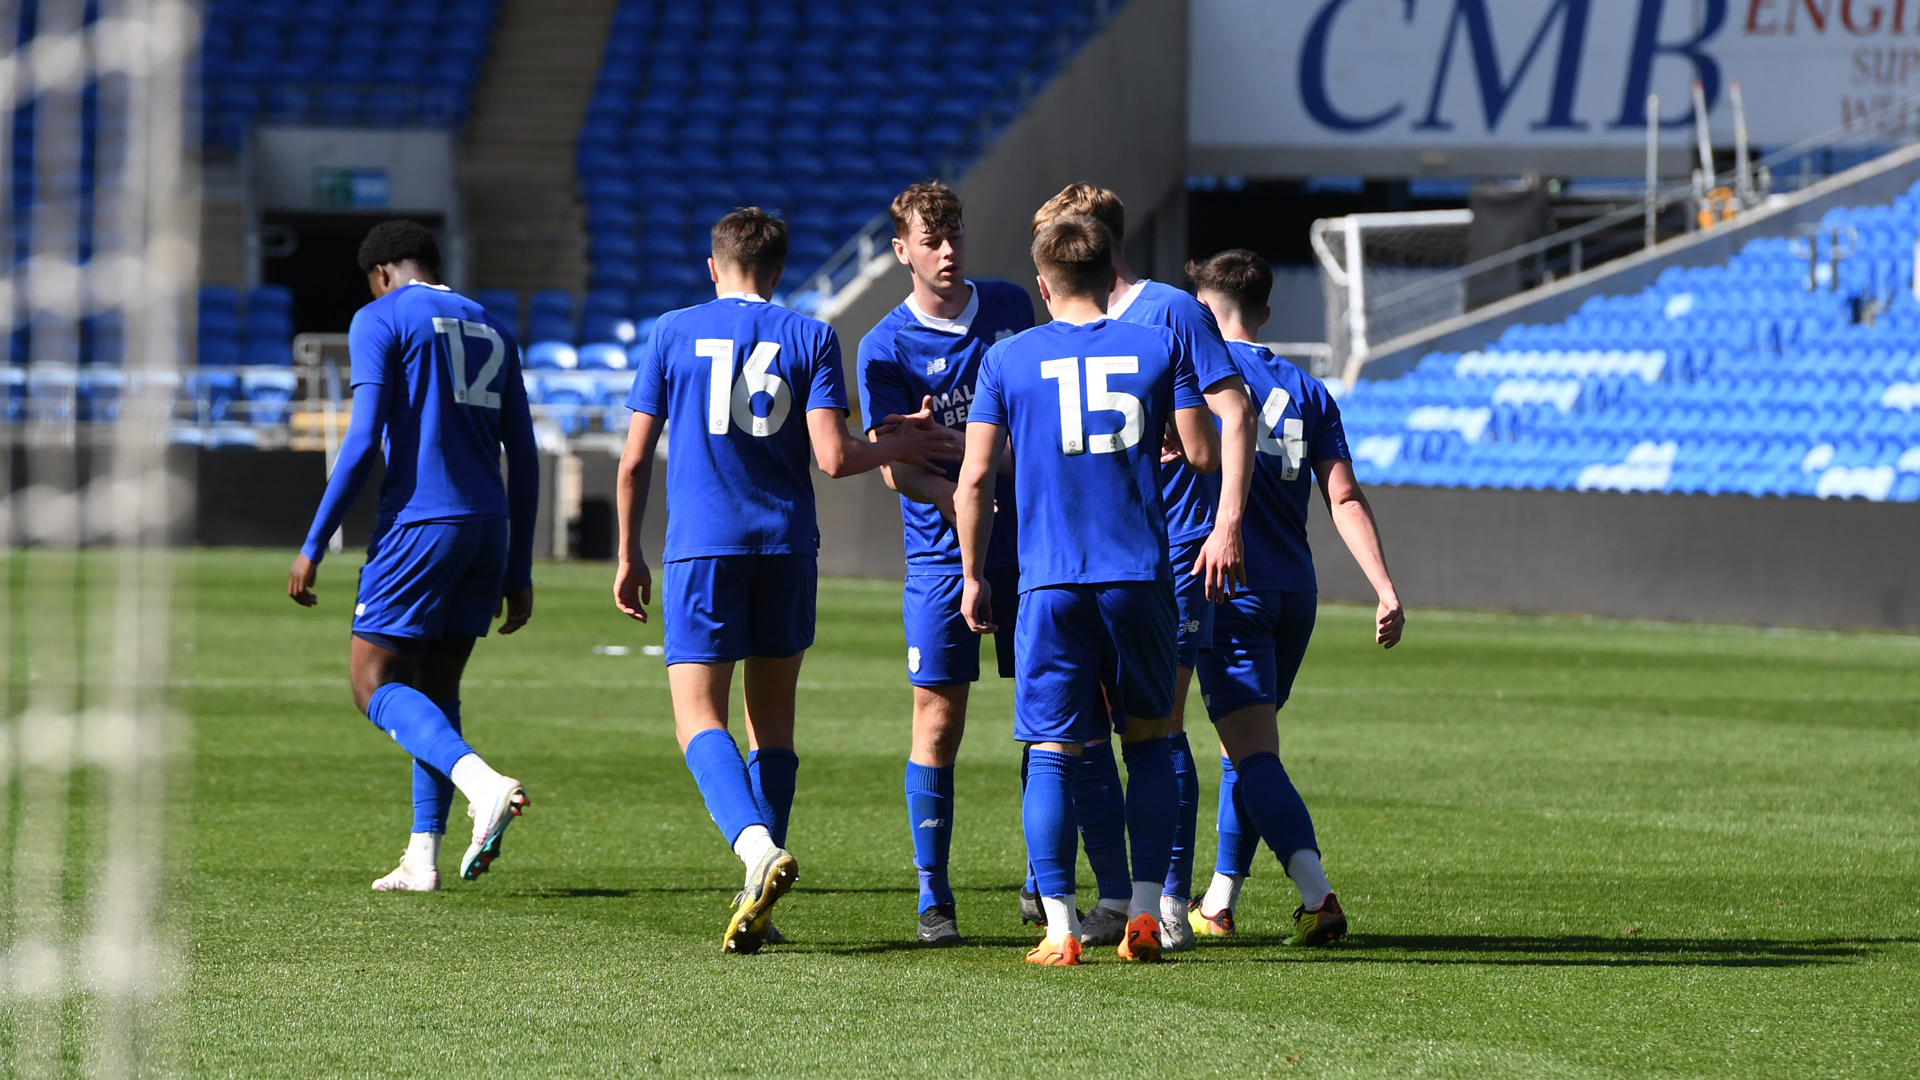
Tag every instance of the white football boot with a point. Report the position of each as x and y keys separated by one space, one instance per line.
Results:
x=490 y=820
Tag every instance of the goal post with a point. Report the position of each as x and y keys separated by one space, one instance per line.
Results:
x=1367 y=258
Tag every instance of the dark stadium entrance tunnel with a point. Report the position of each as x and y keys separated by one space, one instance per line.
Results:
x=316 y=255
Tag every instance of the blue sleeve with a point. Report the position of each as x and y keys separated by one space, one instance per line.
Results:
x=523 y=472
x=649 y=392
x=827 y=389
x=1329 y=436
x=883 y=386
x=372 y=345
x=1211 y=361
x=1186 y=387
x=989 y=402
x=358 y=449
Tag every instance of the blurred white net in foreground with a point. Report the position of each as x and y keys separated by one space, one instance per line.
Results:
x=100 y=220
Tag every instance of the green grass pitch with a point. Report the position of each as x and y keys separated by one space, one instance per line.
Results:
x=1569 y=848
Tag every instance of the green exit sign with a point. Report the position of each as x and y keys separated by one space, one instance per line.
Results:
x=350 y=189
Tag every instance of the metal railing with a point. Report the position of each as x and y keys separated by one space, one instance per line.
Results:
x=1615 y=235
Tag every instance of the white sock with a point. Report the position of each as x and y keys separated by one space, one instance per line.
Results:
x=423 y=853
x=1061 y=917
x=1223 y=894
x=1114 y=904
x=475 y=779
x=1304 y=869
x=753 y=842
x=1146 y=898
x=1172 y=909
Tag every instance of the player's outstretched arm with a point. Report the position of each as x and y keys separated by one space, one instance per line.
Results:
x=358 y=449
x=633 y=582
x=914 y=440
x=973 y=522
x=523 y=504
x=1223 y=558
x=1353 y=517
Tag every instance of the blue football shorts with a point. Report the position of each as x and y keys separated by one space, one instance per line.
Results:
x=1089 y=656
x=1190 y=596
x=430 y=580
x=722 y=608
x=1259 y=640
x=941 y=650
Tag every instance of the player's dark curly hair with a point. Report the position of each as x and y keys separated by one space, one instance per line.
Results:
x=393 y=242
x=1237 y=274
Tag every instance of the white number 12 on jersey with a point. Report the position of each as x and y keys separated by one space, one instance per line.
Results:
x=476 y=392
x=1073 y=437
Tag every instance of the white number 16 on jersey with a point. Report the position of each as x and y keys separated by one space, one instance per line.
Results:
x=728 y=399
x=475 y=392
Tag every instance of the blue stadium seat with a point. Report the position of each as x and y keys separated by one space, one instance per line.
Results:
x=267 y=393
x=609 y=354
x=550 y=355
x=502 y=304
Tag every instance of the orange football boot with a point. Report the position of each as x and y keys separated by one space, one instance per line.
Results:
x=1056 y=952
x=1142 y=941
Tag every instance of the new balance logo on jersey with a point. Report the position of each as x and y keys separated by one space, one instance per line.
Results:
x=932 y=823
x=1191 y=626
x=935 y=367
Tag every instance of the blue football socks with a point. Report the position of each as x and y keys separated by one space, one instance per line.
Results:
x=717 y=770
x=418 y=725
x=1100 y=805
x=774 y=772
x=1047 y=819
x=1031 y=885
x=930 y=819
x=1238 y=838
x=1153 y=801
x=1186 y=824
x=1269 y=798
x=432 y=791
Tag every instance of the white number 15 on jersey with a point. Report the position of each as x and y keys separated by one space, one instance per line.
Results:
x=1073 y=437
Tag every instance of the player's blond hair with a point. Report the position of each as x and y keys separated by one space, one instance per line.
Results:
x=1075 y=255
x=1084 y=200
x=934 y=203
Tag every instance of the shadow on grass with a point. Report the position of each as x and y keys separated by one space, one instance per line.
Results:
x=1571 y=950
x=1493 y=950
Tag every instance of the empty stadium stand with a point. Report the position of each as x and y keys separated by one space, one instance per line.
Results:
x=821 y=111
x=381 y=63
x=1793 y=369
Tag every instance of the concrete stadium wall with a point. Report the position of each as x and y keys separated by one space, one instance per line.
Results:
x=1769 y=562
x=1876 y=182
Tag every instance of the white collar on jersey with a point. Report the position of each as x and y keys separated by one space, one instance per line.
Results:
x=949 y=326
x=1127 y=299
x=751 y=298
x=417 y=281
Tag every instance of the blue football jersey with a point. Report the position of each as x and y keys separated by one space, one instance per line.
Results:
x=907 y=358
x=1085 y=406
x=1296 y=426
x=448 y=366
x=735 y=379
x=1190 y=495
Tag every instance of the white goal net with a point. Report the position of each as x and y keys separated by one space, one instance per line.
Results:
x=1375 y=270
x=100 y=222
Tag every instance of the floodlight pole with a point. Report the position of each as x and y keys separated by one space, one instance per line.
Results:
x=1653 y=168
x=1706 y=149
x=1743 y=166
